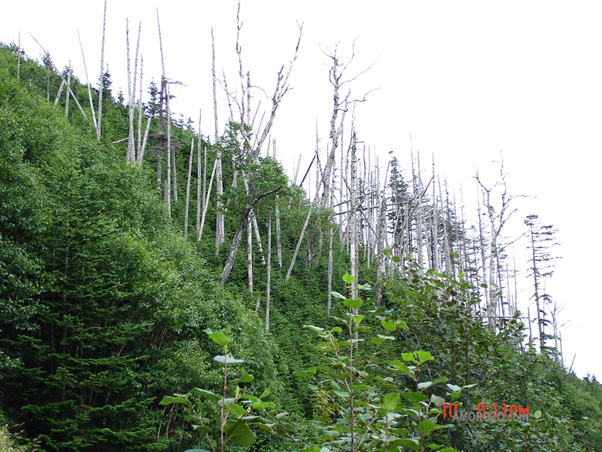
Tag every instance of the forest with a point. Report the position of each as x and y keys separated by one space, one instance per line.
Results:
x=165 y=289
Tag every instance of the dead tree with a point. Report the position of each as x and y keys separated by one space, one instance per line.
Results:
x=498 y=217
x=269 y=276
x=220 y=220
x=88 y=84
x=244 y=221
x=101 y=77
x=186 y=208
x=131 y=152
x=252 y=153
x=200 y=195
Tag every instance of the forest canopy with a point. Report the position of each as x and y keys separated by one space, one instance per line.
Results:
x=135 y=271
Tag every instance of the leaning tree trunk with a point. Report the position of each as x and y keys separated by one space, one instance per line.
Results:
x=236 y=240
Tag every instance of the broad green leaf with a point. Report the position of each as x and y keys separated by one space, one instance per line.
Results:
x=240 y=434
x=377 y=340
x=263 y=405
x=306 y=373
x=265 y=394
x=168 y=400
x=415 y=397
x=425 y=385
x=361 y=329
x=454 y=387
x=228 y=359
x=337 y=295
x=236 y=409
x=402 y=367
x=354 y=304
x=426 y=426
x=317 y=329
x=361 y=387
x=424 y=356
x=219 y=338
x=388 y=325
x=343 y=394
x=537 y=414
x=390 y=401
x=249 y=397
x=204 y=393
x=396 y=259
x=348 y=278
x=438 y=401
x=358 y=319
x=336 y=329
x=440 y=380
x=244 y=378
x=408 y=357
x=387 y=252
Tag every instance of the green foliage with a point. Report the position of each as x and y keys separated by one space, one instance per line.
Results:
x=102 y=301
x=103 y=306
x=236 y=410
x=369 y=400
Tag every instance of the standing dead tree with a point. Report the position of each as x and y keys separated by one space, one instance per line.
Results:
x=102 y=73
x=88 y=83
x=251 y=153
x=498 y=217
x=131 y=152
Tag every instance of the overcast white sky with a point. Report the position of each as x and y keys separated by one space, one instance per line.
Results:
x=464 y=79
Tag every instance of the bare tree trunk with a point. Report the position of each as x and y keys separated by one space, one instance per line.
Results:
x=220 y=222
x=206 y=200
x=269 y=276
x=244 y=221
x=298 y=247
x=497 y=219
x=250 y=257
x=67 y=93
x=101 y=78
x=131 y=153
x=199 y=196
x=353 y=208
x=88 y=84
x=168 y=158
x=188 y=188
x=214 y=85
x=278 y=234
x=143 y=146
x=330 y=266
x=140 y=111
x=435 y=230
x=380 y=247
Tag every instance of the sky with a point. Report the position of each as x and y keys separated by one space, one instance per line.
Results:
x=464 y=82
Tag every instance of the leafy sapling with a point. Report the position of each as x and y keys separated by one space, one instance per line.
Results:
x=237 y=411
x=370 y=409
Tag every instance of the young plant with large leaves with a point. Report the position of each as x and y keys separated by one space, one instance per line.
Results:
x=373 y=398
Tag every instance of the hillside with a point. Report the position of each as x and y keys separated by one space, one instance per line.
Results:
x=107 y=289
